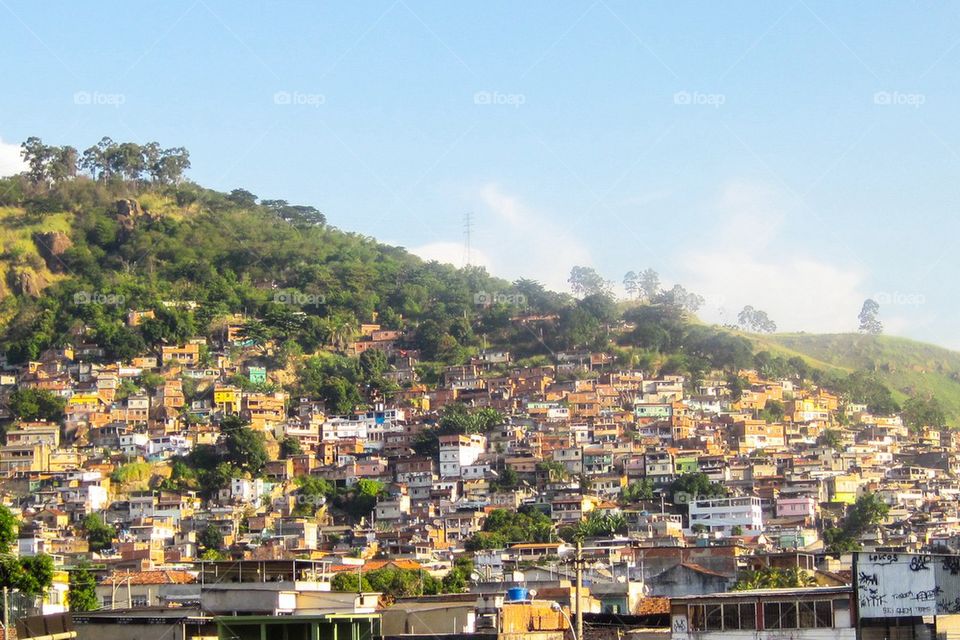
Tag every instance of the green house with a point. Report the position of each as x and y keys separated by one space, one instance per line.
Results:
x=686 y=464
x=346 y=626
x=258 y=375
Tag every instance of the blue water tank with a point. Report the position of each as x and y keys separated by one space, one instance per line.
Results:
x=518 y=594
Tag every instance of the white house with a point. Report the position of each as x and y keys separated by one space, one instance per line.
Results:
x=723 y=514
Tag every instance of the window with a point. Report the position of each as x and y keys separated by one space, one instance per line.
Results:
x=714 y=617
x=798 y=615
x=722 y=617
x=780 y=615
x=824 y=613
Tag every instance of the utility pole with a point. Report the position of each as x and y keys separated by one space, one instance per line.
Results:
x=578 y=563
x=6 y=613
x=467 y=229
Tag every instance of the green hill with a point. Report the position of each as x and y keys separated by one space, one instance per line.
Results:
x=907 y=367
x=85 y=240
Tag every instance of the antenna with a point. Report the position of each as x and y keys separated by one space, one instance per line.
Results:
x=467 y=231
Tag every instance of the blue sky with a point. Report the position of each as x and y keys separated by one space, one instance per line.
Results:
x=798 y=157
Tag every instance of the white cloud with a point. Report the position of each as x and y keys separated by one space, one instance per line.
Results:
x=747 y=265
x=10 y=160
x=525 y=243
x=513 y=240
x=451 y=253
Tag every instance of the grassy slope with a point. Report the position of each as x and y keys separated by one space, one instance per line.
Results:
x=17 y=246
x=908 y=367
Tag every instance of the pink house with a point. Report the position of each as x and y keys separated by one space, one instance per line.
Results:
x=801 y=507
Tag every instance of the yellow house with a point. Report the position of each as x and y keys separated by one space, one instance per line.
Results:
x=844 y=488
x=92 y=399
x=226 y=398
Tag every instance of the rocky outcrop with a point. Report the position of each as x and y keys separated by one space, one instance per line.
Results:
x=127 y=212
x=28 y=282
x=51 y=245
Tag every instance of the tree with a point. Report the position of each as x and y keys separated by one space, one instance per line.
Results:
x=314 y=492
x=99 y=534
x=919 y=412
x=831 y=438
x=600 y=524
x=631 y=283
x=171 y=165
x=736 y=385
x=637 y=491
x=210 y=539
x=867 y=512
x=360 y=500
x=63 y=164
x=586 y=281
x=8 y=529
x=502 y=526
x=691 y=486
x=31 y=575
x=37 y=156
x=243 y=198
x=679 y=298
x=509 y=479
x=245 y=447
x=290 y=447
x=82 y=595
x=649 y=283
x=869 y=321
x=774 y=578
x=755 y=320
x=36 y=404
x=348 y=581
x=94 y=159
x=457 y=418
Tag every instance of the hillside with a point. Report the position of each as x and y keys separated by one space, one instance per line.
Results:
x=907 y=367
x=78 y=251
